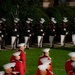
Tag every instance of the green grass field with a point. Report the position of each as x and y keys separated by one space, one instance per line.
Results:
x=58 y=55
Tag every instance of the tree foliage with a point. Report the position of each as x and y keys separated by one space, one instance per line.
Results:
x=22 y=9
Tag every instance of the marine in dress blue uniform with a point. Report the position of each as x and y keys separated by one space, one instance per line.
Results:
x=63 y=31
x=27 y=33
x=1 y=34
x=73 y=32
x=15 y=34
x=51 y=29
x=4 y=29
x=40 y=33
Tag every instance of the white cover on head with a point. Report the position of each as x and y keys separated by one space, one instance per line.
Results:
x=72 y=54
x=43 y=67
x=30 y=19
x=42 y=19
x=28 y=22
x=9 y=65
x=16 y=53
x=73 y=64
x=53 y=20
x=41 y=22
x=3 y=19
x=46 y=50
x=21 y=44
x=17 y=19
x=65 y=19
x=1 y=72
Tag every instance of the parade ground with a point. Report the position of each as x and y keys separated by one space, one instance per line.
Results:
x=59 y=57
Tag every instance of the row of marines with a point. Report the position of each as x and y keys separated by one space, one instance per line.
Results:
x=39 y=30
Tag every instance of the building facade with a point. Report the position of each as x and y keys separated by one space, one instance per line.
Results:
x=51 y=3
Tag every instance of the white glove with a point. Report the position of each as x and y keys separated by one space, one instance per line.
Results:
x=2 y=35
x=43 y=34
x=30 y=35
x=66 y=33
x=17 y=35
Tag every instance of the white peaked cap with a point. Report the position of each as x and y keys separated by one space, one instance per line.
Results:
x=1 y=72
x=72 y=54
x=46 y=50
x=41 y=22
x=16 y=53
x=73 y=63
x=3 y=19
x=54 y=21
x=14 y=72
x=65 y=20
x=30 y=19
x=15 y=21
x=9 y=65
x=28 y=22
x=43 y=67
x=42 y=19
x=21 y=44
